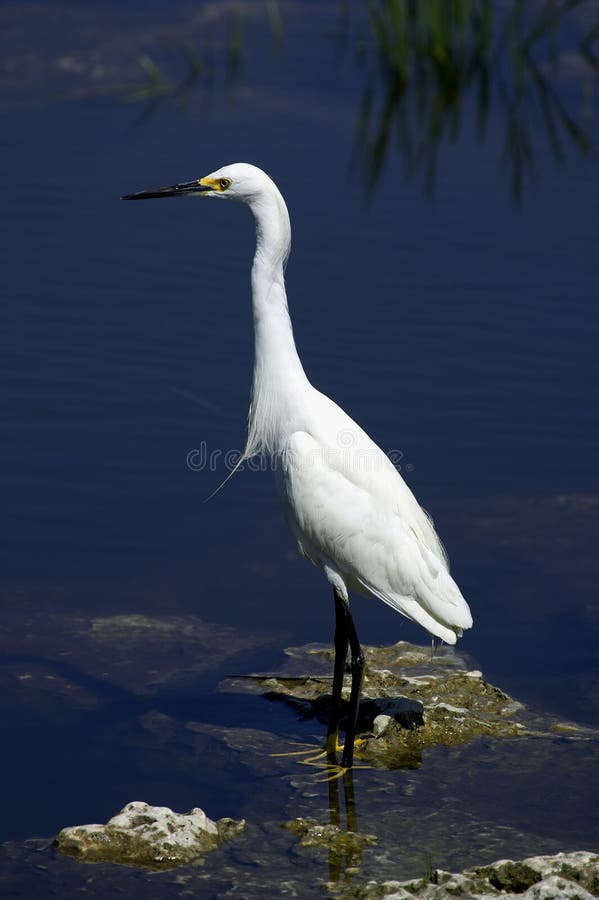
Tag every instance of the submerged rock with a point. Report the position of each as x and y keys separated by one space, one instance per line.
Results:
x=565 y=875
x=61 y=660
x=150 y=836
x=312 y=833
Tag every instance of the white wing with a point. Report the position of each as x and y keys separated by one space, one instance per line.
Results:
x=354 y=516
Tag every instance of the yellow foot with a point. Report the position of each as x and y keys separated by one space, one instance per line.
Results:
x=321 y=758
x=360 y=743
x=312 y=754
x=306 y=749
x=331 y=772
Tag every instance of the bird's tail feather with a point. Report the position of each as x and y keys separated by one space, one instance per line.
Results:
x=412 y=609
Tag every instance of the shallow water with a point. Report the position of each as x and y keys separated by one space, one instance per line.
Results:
x=459 y=328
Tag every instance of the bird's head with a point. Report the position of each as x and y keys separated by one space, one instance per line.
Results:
x=239 y=181
x=249 y=185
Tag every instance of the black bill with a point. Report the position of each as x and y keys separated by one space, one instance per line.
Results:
x=188 y=189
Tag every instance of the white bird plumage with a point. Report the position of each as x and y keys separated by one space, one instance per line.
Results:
x=346 y=504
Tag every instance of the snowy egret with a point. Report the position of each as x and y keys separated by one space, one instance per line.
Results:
x=345 y=503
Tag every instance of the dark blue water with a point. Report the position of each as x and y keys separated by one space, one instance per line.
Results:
x=460 y=328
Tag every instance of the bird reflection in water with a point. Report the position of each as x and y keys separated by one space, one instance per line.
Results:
x=344 y=859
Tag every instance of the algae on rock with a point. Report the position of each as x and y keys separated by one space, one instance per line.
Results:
x=410 y=700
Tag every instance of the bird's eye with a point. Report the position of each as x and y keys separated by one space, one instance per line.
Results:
x=224 y=183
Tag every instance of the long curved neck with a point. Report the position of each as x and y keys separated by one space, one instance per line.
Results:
x=278 y=372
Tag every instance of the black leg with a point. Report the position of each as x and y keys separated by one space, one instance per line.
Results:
x=341 y=644
x=357 y=673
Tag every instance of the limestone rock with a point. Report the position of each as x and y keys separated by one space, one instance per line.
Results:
x=149 y=836
x=410 y=700
x=565 y=875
